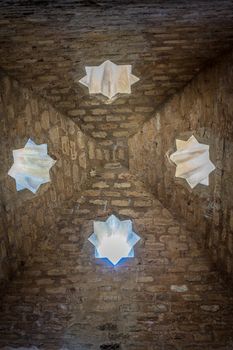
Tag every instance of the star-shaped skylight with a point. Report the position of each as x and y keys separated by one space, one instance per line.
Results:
x=31 y=166
x=193 y=162
x=109 y=79
x=114 y=239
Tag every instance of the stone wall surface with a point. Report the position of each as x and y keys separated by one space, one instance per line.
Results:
x=168 y=297
x=25 y=216
x=203 y=109
x=47 y=45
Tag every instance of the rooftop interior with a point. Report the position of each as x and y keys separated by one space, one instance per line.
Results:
x=113 y=157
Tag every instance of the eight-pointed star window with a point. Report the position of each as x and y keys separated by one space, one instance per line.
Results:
x=114 y=239
x=109 y=79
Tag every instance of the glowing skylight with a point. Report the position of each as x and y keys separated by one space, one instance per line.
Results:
x=109 y=79
x=193 y=162
x=31 y=166
x=114 y=239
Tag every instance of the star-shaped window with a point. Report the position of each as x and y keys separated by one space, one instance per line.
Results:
x=114 y=239
x=31 y=166
x=193 y=162
x=109 y=79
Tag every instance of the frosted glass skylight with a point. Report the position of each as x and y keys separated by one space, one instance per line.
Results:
x=193 y=162
x=109 y=79
x=114 y=239
x=31 y=166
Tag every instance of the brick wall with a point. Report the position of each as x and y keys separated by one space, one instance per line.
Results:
x=203 y=109
x=167 y=42
x=168 y=297
x=26 y=216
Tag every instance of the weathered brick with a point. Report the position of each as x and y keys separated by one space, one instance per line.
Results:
x=179 y=288
x=101 y=184
x=120 y=202
x=122 y=185
x=99 y=134
x=98 y=201
x=210 y=308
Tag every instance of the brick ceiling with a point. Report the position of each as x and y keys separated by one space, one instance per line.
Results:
x=46 y=44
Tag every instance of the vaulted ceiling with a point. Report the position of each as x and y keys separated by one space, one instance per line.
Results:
x=170 y=296
x=46 y=45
